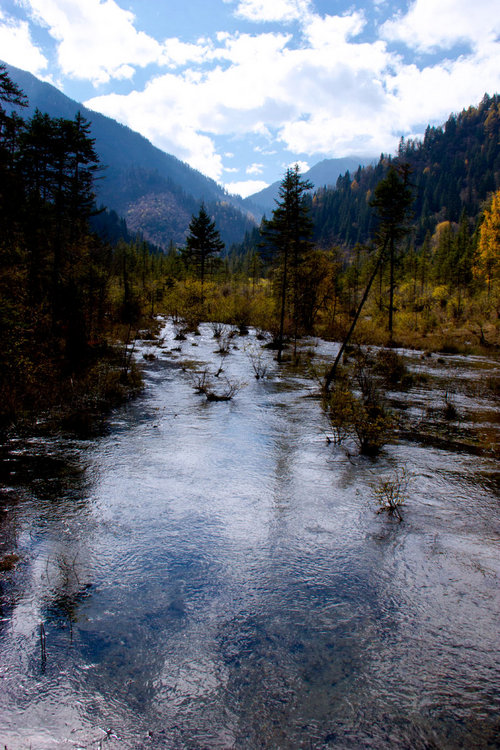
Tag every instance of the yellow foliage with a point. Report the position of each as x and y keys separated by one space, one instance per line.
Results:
x=442 y=233
x=440 y=293
x=487 y=266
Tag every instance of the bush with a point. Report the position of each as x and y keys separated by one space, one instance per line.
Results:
x=340 y=404
x=391 y=492
x=259 y=364
x=363 y=417
x=391 y=367
x=373 y=426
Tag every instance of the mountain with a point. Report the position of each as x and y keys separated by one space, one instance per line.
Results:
x=323 y=173
x=454 y=170
x=154 y=191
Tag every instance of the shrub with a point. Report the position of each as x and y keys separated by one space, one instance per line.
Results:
x=363 y=416
x=340 y=404
x=373 y=426
x=391 y=367
x=391 y=492
x=259 y=365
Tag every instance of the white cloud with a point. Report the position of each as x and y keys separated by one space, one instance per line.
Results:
x=332 y=94
x=161 y=113
x=177 y=53
x=255 y=168
x=17 y=47
x=431 y=94
x=273 y=10
x=430 y=24
x=245 y=187
x=330 y=31
x=180 y=112
x=302 y=165
x=265 y=151
x=96 y=40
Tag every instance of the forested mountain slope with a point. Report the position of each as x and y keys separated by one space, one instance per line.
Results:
x=323 y=174
x=154 y=191
x=454 y=170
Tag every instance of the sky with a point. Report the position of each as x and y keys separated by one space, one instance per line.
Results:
x=241 y=89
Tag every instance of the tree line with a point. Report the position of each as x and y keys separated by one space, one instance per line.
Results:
x=64 y=291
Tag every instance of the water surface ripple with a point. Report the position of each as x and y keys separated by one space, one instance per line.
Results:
x=214 y=575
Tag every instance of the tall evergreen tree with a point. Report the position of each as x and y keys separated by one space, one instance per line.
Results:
x=11 y=126
x=289 y=232
x=202 y=243
x=392 y=201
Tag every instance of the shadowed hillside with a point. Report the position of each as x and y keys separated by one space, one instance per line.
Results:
x=154 y=191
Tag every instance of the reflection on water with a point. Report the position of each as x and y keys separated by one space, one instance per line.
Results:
x=215 y=576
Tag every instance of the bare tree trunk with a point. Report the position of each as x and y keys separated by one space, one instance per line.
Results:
x=283 y=301
x=332 y=372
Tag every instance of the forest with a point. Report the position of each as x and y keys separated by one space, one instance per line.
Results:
x=406 y=252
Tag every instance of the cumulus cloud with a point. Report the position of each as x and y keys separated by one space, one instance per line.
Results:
x=422 y=96
x=180 y=113
x=275 y=10
x=245 y=187
x=96 y=40
x=17 y=47
x=327 y=92
x=429 y=24
x=255 y=169
x=162 y=113
x=176 y=53
x=302 y=165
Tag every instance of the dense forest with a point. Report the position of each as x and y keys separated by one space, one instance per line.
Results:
x=443 y=276
x=406 y=251
x=62 y=308
x=454 y=170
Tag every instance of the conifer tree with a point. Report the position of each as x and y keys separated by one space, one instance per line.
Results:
x=392 y=201
x=289 y=232
x=202 y=243
x=11 y=126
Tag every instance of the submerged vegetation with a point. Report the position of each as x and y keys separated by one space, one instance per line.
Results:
x=356 y=405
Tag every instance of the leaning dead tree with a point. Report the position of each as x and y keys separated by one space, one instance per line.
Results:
x=392 y=201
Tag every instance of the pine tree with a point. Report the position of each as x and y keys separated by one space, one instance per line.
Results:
x=11 y=126
x=289 y=232
x=202 y=243
x=392 y=200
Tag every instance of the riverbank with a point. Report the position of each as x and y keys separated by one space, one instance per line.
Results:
x=51 y=399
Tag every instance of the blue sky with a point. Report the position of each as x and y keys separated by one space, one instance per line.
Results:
x=240 y=89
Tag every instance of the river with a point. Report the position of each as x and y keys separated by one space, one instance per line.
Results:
x=216 y=575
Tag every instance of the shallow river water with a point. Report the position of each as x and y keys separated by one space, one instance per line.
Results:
x=215 y=575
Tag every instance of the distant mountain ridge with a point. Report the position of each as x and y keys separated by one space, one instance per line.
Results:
x=154 y=191
x=323 y=174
